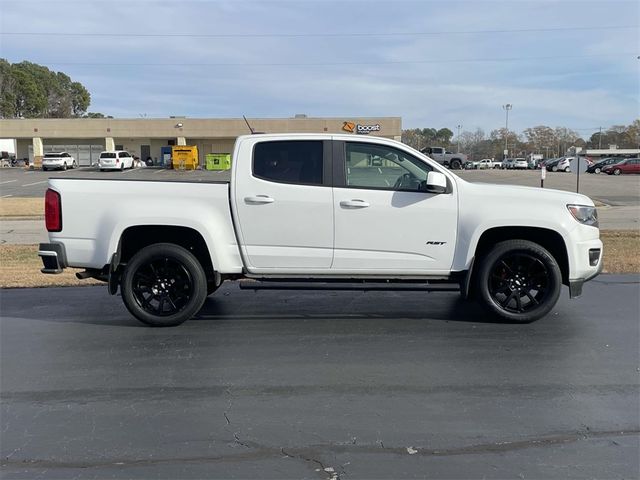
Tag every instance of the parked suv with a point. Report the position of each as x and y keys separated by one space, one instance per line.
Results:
x=55 y=160
x=520 y=163
x=118 y=160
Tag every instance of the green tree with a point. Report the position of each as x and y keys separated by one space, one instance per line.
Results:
x=30 y=90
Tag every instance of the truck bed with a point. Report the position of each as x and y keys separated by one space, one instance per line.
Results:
x=95 y=213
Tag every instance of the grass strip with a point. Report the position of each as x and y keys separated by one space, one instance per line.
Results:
x=20 y=265
x=21 y=207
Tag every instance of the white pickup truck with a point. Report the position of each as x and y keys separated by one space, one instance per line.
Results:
x=322 y=211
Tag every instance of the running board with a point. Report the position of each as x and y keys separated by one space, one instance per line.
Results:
x=364 y=286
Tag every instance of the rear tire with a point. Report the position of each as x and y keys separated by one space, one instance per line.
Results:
x=519 y=281
x=456 y=165
x=163 y=285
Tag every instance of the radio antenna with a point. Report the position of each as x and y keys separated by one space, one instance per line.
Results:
x=253 y=132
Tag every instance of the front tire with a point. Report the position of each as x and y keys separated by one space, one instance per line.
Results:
x=597 y=170
x=163 y=285
x=519 y=281
x=554 y=169
x=617 y=171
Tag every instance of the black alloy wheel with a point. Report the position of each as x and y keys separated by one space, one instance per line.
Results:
x=164 y=285
x=520 y=281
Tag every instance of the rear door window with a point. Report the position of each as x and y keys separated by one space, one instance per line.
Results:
x=294 y=161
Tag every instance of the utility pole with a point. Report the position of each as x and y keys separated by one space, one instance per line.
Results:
x=600 y=139
x=459 y=127
x=506 y=108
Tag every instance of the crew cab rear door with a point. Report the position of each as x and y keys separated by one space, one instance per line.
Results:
x=283 y=203
x=385 y=222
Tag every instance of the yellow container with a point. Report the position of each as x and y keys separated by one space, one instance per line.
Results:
x=184 y=157
x=218 y=161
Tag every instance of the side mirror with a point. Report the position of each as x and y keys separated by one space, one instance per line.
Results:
x=436 y=182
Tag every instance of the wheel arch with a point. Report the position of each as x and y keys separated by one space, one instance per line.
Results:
x=134 y=238
x=549 y=239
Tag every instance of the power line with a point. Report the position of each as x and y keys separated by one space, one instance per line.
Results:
x=325 y=64
x=297 y=35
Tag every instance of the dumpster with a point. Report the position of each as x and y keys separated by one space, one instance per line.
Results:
x=218 y=161
x=184 y=157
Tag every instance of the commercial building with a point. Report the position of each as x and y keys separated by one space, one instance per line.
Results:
x=85 y=138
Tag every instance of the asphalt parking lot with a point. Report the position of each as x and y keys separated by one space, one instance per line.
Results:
x=320 y=385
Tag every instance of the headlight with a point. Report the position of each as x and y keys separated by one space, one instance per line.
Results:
x=585 y=214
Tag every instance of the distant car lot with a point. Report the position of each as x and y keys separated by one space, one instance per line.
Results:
x=611 y=190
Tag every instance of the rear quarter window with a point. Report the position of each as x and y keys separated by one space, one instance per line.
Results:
x=295 y=161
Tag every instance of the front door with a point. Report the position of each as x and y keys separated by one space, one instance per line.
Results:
x=385 y=222
x=284 y=206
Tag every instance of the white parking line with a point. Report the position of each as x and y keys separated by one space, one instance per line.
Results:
x=5 y=196
x=129 y=171
x=7 y=181
x=158 y=171
x=34 y=183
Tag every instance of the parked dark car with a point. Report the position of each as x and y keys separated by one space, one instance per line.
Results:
x=562 y=164
x=628 y=165
x=600 y=164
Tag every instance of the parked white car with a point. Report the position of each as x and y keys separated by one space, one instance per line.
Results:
x=560 y=165
x=117 y=160
x=58 y=160
x=520 y=163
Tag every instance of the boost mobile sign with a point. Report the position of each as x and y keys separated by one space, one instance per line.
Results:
x=361 y=129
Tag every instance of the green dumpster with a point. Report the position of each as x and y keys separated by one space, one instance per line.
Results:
x=218 y=161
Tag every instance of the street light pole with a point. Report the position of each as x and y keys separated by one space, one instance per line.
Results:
x=459 y=127
x=506 y=108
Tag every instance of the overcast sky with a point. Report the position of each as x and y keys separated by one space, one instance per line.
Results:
x=433 y=63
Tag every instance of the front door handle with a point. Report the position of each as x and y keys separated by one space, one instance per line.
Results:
x=258 y=199
x=355 y=203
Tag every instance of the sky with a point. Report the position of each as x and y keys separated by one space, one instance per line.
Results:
x=434 y=63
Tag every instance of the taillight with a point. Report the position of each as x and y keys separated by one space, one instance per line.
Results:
x=53 y=211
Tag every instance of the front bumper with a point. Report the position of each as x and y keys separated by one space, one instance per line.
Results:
x=575 y=286
x=54 y=258
x=587 y=264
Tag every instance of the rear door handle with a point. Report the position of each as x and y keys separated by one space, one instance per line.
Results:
x=355 y=203
x=258 y=199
